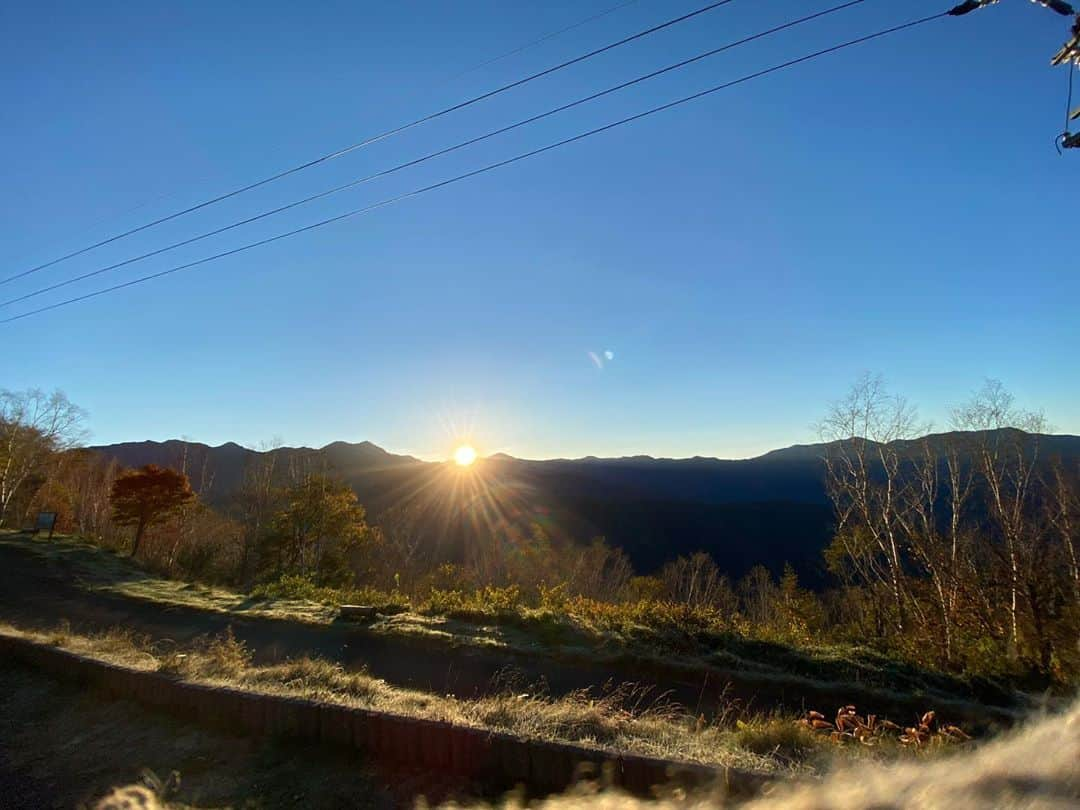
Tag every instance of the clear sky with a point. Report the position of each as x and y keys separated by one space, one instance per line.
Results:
x=898 y=208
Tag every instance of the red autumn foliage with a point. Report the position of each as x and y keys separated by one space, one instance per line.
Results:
x=142 y=497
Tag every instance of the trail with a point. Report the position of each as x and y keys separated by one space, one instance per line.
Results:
x=34 y=594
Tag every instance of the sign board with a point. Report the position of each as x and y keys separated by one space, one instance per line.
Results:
x=46 y=522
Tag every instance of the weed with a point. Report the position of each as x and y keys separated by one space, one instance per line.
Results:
x=220 y=658
x=313 y=676
x=778 y=737
x=295 y=586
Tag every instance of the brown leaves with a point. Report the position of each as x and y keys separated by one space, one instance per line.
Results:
x=850 y=726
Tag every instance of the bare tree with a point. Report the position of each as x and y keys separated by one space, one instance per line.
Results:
x=403 y=528
x=696 y=581
x=971 y=533
x=599 y=571
x=190 y=453
x=93 y=514
x=34 y=426
x=1064 y=507
x=1006 y=448
x=940 y=482
x=257 y=502
x=78 y=488
x=865 y=479
x=758 y=595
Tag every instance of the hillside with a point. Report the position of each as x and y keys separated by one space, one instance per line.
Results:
x=770 y=509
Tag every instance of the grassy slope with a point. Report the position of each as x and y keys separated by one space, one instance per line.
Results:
x=99 y=570
x=621 y=720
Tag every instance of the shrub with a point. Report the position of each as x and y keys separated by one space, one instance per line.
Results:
x=223 y=657
x=294 y=586
x=313 y=676
x=297 y=586
x=490 y=603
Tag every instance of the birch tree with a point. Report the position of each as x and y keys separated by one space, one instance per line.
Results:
x=1006 y=449
x=865 y=480
x=34 y=427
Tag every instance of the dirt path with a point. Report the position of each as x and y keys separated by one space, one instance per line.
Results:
x=35 y=595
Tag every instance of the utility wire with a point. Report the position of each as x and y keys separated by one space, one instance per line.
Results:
x=505 y=55
x=492 y=166
x=375 y=138
x=439 y=153
x=540 y=40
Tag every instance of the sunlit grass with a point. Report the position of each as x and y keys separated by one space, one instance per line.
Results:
x=624 y=718
x=668 y=634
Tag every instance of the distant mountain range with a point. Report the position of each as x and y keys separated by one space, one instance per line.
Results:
x=771 y=509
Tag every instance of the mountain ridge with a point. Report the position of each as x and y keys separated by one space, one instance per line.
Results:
x=793 y=449
x=771 y=509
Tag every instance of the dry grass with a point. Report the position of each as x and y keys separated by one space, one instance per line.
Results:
x=1034 y=768
x=779 y=738
x=220 y=658
x=665 y=634
x=625 y=718
x=116 y=645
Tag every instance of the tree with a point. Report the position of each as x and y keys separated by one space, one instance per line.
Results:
x=696 y=581
x=758 y=596
x=865 y=481
x=255 y=502
x=313 y=535
x=1064 y=508
x=800 y=612
x=197 y=543
x=34 y=427
x=956 y=541
x=942 y=484
x=598 y=571
x=78 y=489
x=403 y=537
x=1006 y=449
x=142 y=497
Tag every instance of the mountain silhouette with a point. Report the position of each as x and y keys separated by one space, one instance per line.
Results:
x=771 y=509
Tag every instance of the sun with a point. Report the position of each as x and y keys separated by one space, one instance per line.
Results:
x=464 y=456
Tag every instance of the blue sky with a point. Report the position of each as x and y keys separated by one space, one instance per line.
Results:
x=897 y=208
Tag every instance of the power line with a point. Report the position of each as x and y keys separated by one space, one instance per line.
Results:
x=546 y=37
x=678 y=65
x=375 y=138
x=505 y=55
x=490 y=167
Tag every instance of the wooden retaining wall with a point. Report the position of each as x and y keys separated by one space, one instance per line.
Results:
x=493 y=758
